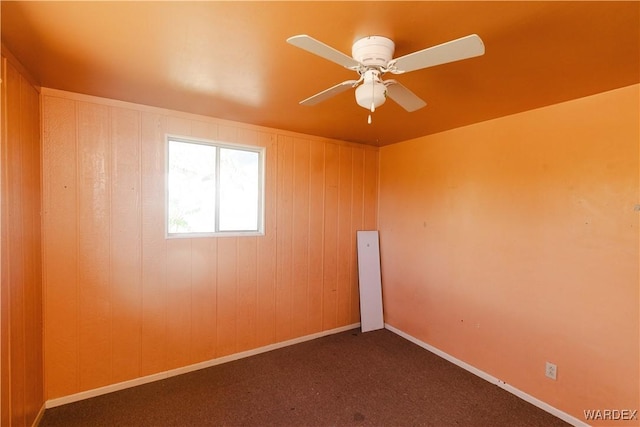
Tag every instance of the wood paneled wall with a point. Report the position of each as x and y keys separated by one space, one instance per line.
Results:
x=122 y=302
x=21 y=395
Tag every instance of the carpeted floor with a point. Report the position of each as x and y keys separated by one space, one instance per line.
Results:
x=376 y=378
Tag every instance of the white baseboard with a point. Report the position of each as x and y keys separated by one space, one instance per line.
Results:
x=493 y=380
x=183 y=370
x=36 y=422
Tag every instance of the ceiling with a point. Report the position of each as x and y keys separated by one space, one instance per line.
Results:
x=230 y=60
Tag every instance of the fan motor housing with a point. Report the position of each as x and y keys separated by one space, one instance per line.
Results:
x=375 y=51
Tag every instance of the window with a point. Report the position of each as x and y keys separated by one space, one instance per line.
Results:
x=213 y=188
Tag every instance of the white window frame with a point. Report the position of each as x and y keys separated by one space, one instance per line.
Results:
x=217 y=144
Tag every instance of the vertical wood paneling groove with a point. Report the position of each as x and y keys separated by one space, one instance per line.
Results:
x=342 y=209
x=125 y=244
x=76 y=186
x=191 y=300
x=348 y=237
x=309 y=322
x=300 y=242
x=236 y=337
x=316 y=235
x=109 y=193
x=154 y=282
x=22 y=198
x=345 y=233
x=330 y=314
x=18 y=324
x=284 y=246
x=371 y=188
x=357 y=221
x=308 y=196
x=227 y=296
x=267 y=254
x=140 y=247
x=139 y=224
x=255 y=295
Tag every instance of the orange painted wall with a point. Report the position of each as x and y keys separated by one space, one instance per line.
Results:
x=21 y=395
x=123 y=302
x=515 y=241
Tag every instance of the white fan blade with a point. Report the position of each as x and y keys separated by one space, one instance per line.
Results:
x=328 y=93
x=455 y=50
x=403 y=96
x=316 y=47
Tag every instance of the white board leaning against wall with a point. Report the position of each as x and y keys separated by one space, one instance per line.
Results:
x=370 y=281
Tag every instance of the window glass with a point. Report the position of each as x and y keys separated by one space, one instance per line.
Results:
x=191 y=187
x=213 y=188
x=239 y=188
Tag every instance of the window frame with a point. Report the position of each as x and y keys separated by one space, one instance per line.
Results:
x=217 y=144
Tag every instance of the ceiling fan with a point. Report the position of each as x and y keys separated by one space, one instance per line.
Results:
x=371 y=57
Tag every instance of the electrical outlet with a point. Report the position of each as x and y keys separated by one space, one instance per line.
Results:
x=551 y=370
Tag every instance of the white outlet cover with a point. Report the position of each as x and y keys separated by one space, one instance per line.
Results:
x=551 y=370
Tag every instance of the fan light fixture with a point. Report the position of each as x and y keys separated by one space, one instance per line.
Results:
x=371 y=57
x=372 y=93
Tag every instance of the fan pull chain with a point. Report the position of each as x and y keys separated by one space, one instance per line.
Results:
x=373 y=105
